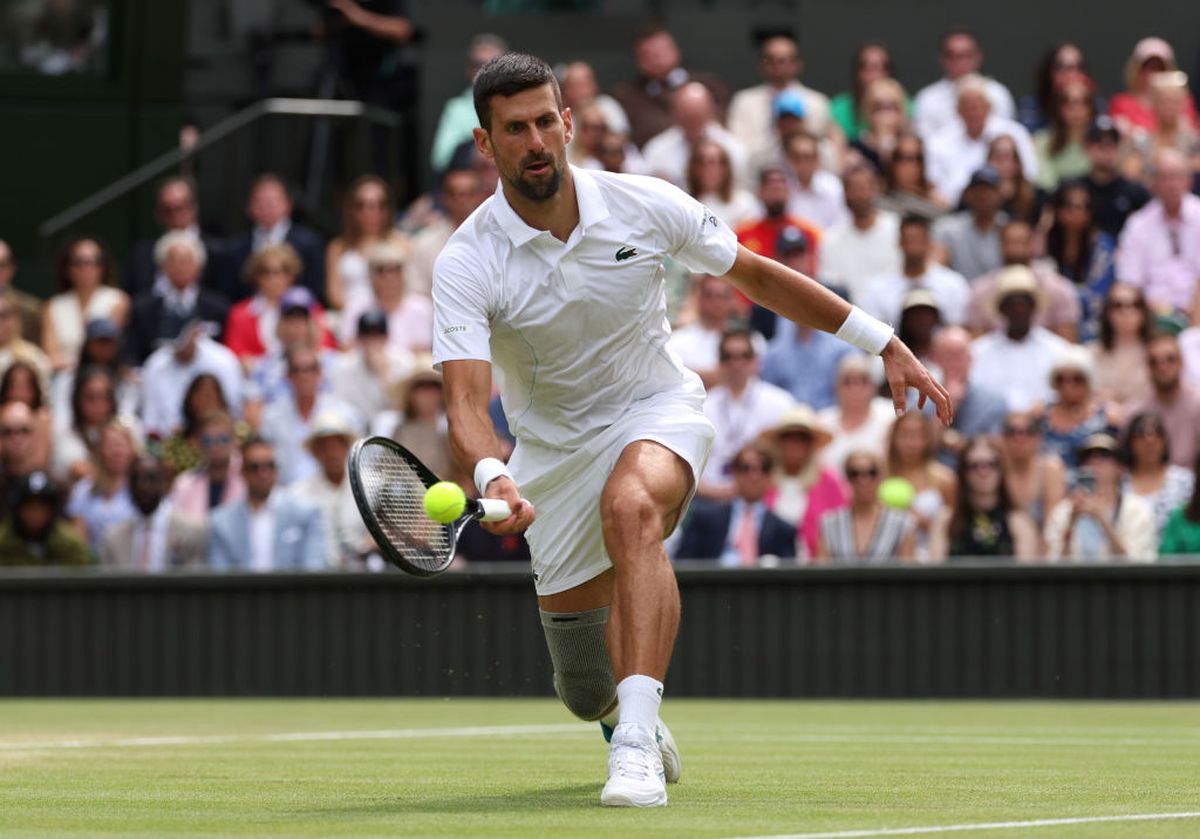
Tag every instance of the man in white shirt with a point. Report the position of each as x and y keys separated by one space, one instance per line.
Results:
x=462 y=192
x=1015 y=360
x=856 y=253
x=698 y=343
x=170 y=369
x=363 y=376
x=556 y=286
x=666 y=155
x=814 y=194
x=740 y=408
x=885 y=295
x=934 y=105
x=346 y=538
x=751 y=112
x=960 y=147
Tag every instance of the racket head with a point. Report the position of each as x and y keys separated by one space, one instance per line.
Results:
x=389 y=483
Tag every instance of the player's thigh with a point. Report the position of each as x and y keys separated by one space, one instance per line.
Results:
x=649 y=481
x=596 y=593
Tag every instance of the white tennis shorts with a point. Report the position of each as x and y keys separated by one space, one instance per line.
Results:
x=566 y=541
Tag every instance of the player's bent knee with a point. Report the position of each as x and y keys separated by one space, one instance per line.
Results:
x=583 y=674
x=630 y=509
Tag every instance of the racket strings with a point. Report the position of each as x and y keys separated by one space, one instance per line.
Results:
x=395 y=494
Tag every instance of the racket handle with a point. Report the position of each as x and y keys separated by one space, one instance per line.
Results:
x=492 y=509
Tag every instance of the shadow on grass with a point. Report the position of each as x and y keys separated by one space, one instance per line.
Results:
x=541 y=799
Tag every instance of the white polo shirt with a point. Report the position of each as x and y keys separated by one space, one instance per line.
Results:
x=576 y=332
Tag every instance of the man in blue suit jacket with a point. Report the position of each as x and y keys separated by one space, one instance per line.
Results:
x=269 y=209
x=739 y=532
x=268 y=530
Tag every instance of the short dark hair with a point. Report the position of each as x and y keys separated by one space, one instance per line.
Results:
x=736 y=334
x=508 y=75
x=915 y=220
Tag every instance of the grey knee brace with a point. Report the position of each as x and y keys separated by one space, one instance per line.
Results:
x=583 y=674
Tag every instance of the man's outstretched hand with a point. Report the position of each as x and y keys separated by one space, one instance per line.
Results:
x=904 y=371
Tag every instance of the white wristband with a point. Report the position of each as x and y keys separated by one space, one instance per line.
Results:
x=488 y=470
x=865 y=332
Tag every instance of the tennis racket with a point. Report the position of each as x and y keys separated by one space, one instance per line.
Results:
x=389 y=484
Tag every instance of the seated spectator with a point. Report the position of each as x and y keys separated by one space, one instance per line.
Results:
x=34 y=533
x=1159 y=249
x=866 y=532
x=763 y=235
x=920 y=319
x=176 y=209
x=740 y=406
x=802 y=489
x=364 y=375
x=1059 y=310
x=960 y=56
x=1076 y=411
x=217 y=479
x=866 y=248
x=410 y=316
x=614 y=155
x=977 y=409
x=694 y=118
x=157 y=537
x=983 y=522
x=85 y=275
x=1114 y=196
x=1177 y=402
x=1099 y=521
x=1059 y=147
x=1020 y=199
x=1181 y=534
x=457 y=118
x=19 y=452
x=647 y=98
x=885 y=121
x=792 y=250
x=268 y=530
x=750 y=110
x=421 y=424
x=1015 y=359
x=911 y=450
x=160 y=314
x=871 y=61
x=697 y=344
x=102 y=499
x=802 y=361
x=741 y=531
x=13 y=347
x=21 y=383
x=269 y=209
x=1036 y=481
x=860 y=420
x=462 y=191
x=1121 y=350
x=971 y=238
x=885 y=294
x=580 y=90
x=170 y=369
x=1060 y=65
x=252 y=330
x=1172 y=130
x=815 y=195
x=909 y=191
x=28 y=308
x=710 y=181
x=101 y=348
x=788 y=118
x=960 y=148
x=287 y=421
x=1081 y=252
x=93 y=404
x=204 y=396
x=1163 y=485
x=346 y=538
x=368 y=219
x=1133 y=108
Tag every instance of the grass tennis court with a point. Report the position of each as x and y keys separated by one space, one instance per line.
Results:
x=525 y=768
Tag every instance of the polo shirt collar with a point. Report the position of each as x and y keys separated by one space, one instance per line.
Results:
x=592 y=209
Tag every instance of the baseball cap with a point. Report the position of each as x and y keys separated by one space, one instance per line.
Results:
x=789 y=104
x=919 y=297
x=1148 y=48
x=985 y=176
x=35 y=485
x=296 y=298
x=1013 y=280
x=372 y=322
x=1102 y=128
x=1098 y=442
x=329 y=424
x=791 y=239
x=101 y=328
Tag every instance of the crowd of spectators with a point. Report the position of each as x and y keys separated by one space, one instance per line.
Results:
x=191 y=403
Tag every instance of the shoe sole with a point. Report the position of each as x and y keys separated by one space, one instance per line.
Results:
x=622 y=799
x=672 y=762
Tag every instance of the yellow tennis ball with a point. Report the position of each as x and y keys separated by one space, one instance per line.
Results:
x=897 y=492
x=445 y=501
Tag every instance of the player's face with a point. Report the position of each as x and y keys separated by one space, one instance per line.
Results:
x=528 y=141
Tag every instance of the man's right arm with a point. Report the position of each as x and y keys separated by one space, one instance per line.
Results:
x=468 y=388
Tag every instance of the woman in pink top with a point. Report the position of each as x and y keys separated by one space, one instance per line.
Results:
x=1133 y=108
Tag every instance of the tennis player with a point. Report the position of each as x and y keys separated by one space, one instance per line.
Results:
x=555 y=287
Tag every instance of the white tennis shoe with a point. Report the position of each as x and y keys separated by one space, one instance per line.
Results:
x=672 y=763
x=635 y=770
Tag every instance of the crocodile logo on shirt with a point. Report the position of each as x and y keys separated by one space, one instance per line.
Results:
x=626 y=253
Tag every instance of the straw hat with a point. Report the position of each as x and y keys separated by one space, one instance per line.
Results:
x=1016 y=279
x=799 y=417
x=329 y=424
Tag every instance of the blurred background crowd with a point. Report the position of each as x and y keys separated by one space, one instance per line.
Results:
x=189 y=402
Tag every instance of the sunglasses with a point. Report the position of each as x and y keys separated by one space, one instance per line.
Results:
x=1020 y=431
x=1117 y=305
x=1070 y=379
x=216 y=439
x=743 y=468
x=982 y=465
x=15 y=430
x=307 y=368
x=908 y=157
x=259 y=465
x=857 y=474
x=737 y=356
x=1148 y=430
x=1158 y=360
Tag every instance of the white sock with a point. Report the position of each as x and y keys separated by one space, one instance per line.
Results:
x=638 y=698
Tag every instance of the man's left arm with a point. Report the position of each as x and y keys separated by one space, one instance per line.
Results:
x=808 y=303
x=387 y=27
